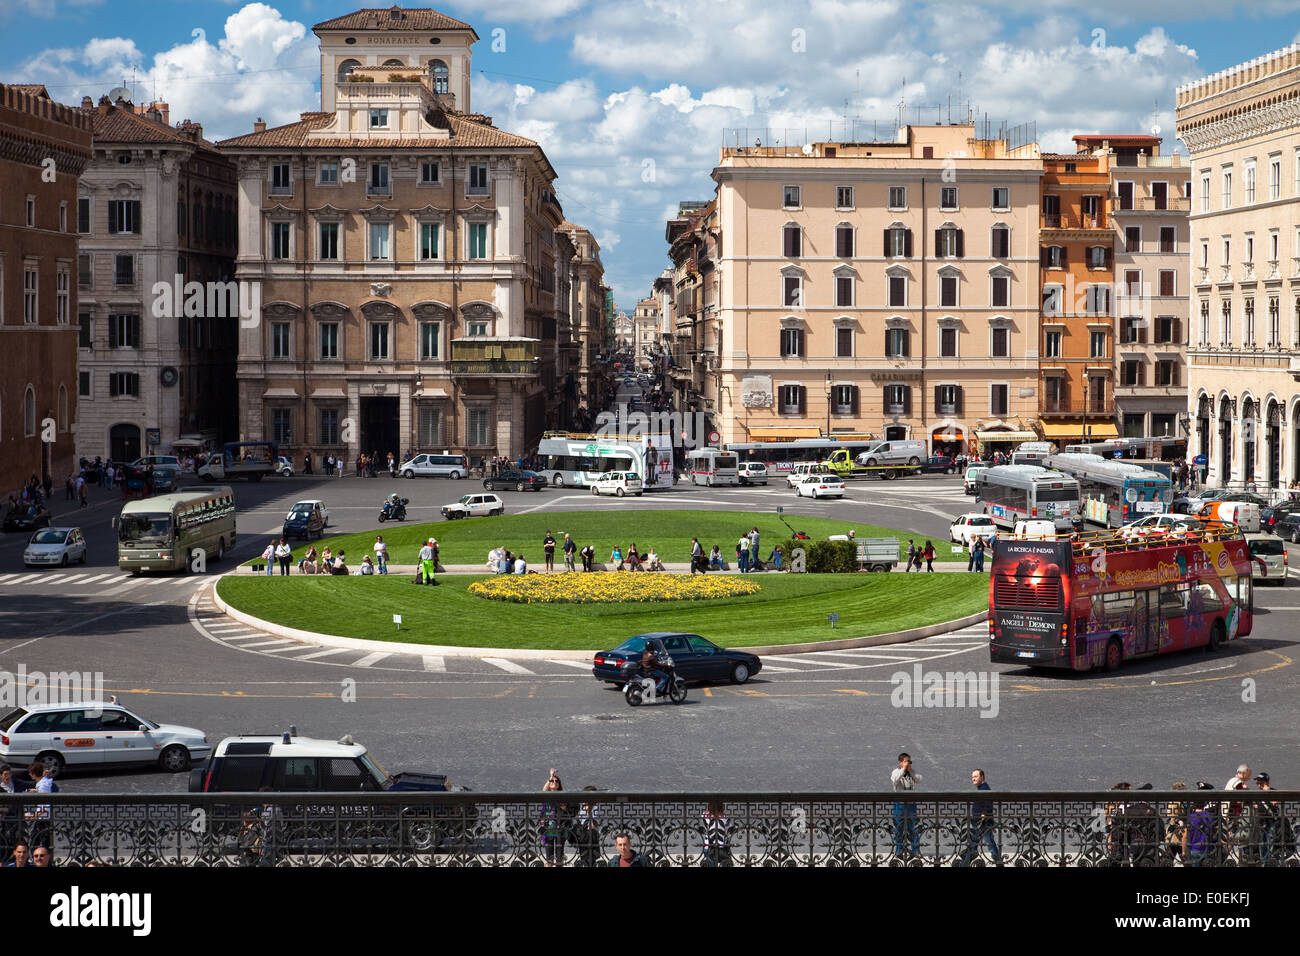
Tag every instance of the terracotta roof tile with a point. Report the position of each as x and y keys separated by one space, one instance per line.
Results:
x=371 y=18
x=32 y=89
x=465 y=134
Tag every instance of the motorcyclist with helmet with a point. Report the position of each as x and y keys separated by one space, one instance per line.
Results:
x=652 y=665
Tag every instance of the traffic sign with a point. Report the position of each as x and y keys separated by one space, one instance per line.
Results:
x=1117 y=453
x=1200 y=460
x=714 y=437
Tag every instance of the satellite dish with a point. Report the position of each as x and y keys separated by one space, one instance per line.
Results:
x=807 y=149
x=119 y=93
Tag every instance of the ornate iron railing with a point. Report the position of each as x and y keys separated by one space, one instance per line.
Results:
x=1115 y=828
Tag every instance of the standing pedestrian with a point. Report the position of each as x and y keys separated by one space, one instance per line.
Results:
x=1268 y=835
x=1201 y=839
x=381 y=554
x=928 y=554
x=626 y=856
x=426 y=563
x=548 y=549
x=570 y=549
x=1176 y=828
x=981 y=824
x=586 y=832
x=83 y=492
x=755 y=564
x=697 y=556
x=555 y=823
x=911 y=556
x=907 y=837
x=978 y=554
x=717 y=839
x=742 y=553
x=268 y=556
x=284 y=554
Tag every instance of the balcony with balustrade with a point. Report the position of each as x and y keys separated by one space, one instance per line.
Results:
x=512 y=357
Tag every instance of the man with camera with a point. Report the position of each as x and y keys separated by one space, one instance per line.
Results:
x=905 y=814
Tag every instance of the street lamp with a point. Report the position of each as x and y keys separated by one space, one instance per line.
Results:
x=828 y=404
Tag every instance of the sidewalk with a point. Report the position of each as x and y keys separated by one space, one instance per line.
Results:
x=669 y=568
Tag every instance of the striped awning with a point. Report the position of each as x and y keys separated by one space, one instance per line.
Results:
x=1097 y=430
x=1006 y=436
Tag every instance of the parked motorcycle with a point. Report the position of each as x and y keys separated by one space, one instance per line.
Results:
x=395 y=511
x=638 y=688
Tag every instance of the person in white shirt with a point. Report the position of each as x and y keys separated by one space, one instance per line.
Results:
x=521 y=566
x=494 y=560
x=367 y=566
x=1239 y=779
x=381 y=554
x=426 y=562
x=283 y=554
x=652 y=562
x=907 y=837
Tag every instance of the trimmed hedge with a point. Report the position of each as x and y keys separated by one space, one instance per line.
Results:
x=822 y=557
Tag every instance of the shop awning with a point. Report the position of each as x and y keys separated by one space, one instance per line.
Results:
x=1099 y=431
x=1006 y=436
x=788 y=431
x=950 y=435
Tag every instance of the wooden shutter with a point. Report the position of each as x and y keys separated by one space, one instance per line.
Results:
x=961 y=243
x=112 y=216
x=1042 y=257
x=1177 y=337
x=1110 y=256
x=887 y=252
x=907 y=344
x=957 y=399
x=112 y=384
x=907 y=243
x=1173 y=373
x=135 y=216
x=853 y=398
x=1063 y=259
x=1142 y=335
x=938 y=396
x=135 y=332
x=803 y=398
x=112 y=331
x=1142 y=373
x=938 y=244
x=886 y=352
x=907 y=400
x=884 y=401
x=798 y=342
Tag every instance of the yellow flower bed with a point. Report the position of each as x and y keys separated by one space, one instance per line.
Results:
x=613 y=587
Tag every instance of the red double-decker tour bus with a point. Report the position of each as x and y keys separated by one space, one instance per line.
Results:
x=1097 y=599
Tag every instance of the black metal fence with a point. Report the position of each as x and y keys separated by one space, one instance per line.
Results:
x=1113 y=828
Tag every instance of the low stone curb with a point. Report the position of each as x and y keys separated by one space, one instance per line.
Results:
x=533 y=654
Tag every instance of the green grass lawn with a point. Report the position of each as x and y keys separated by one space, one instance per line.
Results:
x=468 y=540
x=790 y=609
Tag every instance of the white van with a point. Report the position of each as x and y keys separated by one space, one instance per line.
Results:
x=1244 y=514
x=801 y=470
x=1031 y=453
x=1035 y=529
x=713 y=466
x=428 y=465
x=1267 y=558
x=907 y=452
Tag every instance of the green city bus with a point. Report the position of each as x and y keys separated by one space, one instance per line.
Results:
x=163 y=533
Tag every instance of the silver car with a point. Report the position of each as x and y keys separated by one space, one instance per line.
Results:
x=427 y=465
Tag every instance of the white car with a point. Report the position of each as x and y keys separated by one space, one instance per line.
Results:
x=59 y=546
x=966 y=528
x=1161 y=524
x=799 y=471
x=283 y=467
x=752 y=473
x=618 y=483
x=474 y=506
x=310 y=503
x=96 y=732
x=821 y=486
x=160 y=463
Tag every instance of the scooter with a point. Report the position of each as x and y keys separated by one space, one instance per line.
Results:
x=639 y=688
x=396 y=512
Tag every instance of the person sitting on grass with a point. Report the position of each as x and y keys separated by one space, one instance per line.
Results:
x=616 y=560
x=308 y=563
x=521 y=566
x=633 y=558
x=652 y=562
x=774 y=559
x=326 y=557
x=494 y=560
x=715 y=558
x=340 y=565
x=367 y=566
x=506 y=562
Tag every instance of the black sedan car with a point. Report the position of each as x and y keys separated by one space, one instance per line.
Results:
x=304 y=521
x=27 y=518
x=517 y=479
x=694 y=658
x=1283 y=521
x=938 y=464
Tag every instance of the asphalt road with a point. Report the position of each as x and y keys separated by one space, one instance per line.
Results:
x=813 y=721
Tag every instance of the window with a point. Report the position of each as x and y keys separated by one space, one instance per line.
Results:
x=898 y=197
x=1227 y=251
x=791 y=197
x=1054 y=257
x=61 y=280
x=83 y=384
x=430 y=426
x=1167 y=330
x=1132 y=329
x=1167 y=282
x=378 y=185
x=844 y=241
x=1052 y=298
x=379 y=119
x=478 y=240
x=123 y=331
x=843 y=290
x=477 y=328
x=430 y=336
x=378 y=341
x=441 y=76
x=1167 y=239
x=85 y=331
x=998 y=400
x=948 y=197
x=1132 y=283
x=281 y=185
x=1132 y=239
x=124 y=270
x=478 y=180
x=1097 y=344
x=898 y=291
x=123 y=383
x=1132 y=372
x=1250 y=249
x=280 y=340
x=1125 y=191
x=1001 y=343
x=124 y=215
x=328 y=432
x=429 y=174
x=31 y=211
x=1098 y=257
x=1097 y=300
x=1249 y=314
x=83 y=216
x=478 y=427
x=1275 y=176
x=897 y=399
x=328 y=173
x=63 y=223
x=1225 y=324
x=1001 y=243
x=844 y=399
x=791 y=343
x=1051 y=211
x=1272 y=245
x=1052 y=344
x=897 y=343
x=1001 y=197
x=898 y=243
x=791 y=399
x=1091 y=210
x=948 y=291
x=282 y=426
x=1205 y=320
x=1001 y=292
x=1205 y=189
x=947 y=399
x=843 y=197
x=328 y=243
x=279 y=240
x=329 y=340
x=198 y=219
x=1248 y=181
x=843 y=343
x=792 y=291
x=379 y=240
x=948 y=343
x=31 y=295
x=1226 y=192
x=1166 y=372
x=948 y=243
x=791 y=241
x=85 y=270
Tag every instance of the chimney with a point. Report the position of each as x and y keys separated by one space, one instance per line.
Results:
x=259 y=126
x=87 y=103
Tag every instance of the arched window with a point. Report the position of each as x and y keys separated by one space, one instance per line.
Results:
x=441 y=76
x=29 y=412
x=792 y=241
x=346 y=67
x=63 y=408
x=394 y=62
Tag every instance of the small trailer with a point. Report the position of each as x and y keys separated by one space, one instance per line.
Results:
x=877 y=554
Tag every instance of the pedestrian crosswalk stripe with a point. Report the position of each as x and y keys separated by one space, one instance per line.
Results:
x=98 y=577
x=582 y=665
x=804 y=660
x=369 y=659
x=316 y=654
x=280 y=650
x=269 y=643
x=508 y=666
x=435 y=664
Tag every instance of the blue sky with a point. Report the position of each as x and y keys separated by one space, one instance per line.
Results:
x=630 y=98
